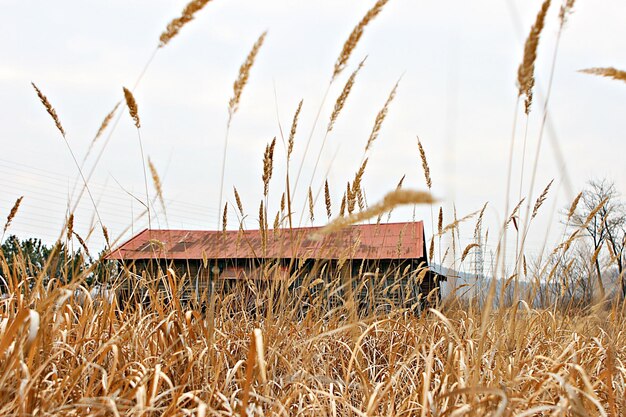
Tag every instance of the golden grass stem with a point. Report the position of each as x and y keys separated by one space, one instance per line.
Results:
x=52 y=112
x=310 y=138
x=348 y=47
x=540 y=138
x=233 y=103
x=509 y=176
x=133 y=110
x=109 y=136
x=339 y=105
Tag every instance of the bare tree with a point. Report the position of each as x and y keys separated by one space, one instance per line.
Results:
x=616 y=239
x=600 y=213
x=570 y=277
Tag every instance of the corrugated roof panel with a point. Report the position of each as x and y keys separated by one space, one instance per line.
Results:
x=370 y=241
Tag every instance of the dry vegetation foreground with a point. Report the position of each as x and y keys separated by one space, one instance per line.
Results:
x=62 y=353
x=60 y=358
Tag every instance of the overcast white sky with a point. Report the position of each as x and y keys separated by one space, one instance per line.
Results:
x=458 y=60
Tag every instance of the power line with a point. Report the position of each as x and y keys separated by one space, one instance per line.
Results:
x=63 y=180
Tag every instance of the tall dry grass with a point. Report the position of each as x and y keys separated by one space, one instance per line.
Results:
x=66 y=353
x=260 y=349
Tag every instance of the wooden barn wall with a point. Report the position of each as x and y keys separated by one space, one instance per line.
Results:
x=369 y=282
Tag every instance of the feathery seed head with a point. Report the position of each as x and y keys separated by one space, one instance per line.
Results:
x=541 y=199
x=292 y=133
x=105 y=122
x=225 y=218
x=157 y=182
x=244 y=74
x=350 y=198
x=82 y=244
x=453 y=226
x=356 y=184
x=391 y=200
x=238 y=201
x=327 y=199
x=176 y=24
x=573 y=206
x=467 y=249
x=360 y=198
x=440 y=222
x=400 y=182
x=595 y=211
x=263 y=226
x=49 y=109
x=513 y=215
x=342 y=209
x=268 y=165
x=479 y=223
x=355 y=36
x=276 y=223
x=431 y=251
x=380 y=118
x=132 y=106
x=105 y=233
x=526 y=70
x=12 y=213
x=311 y=211
x=341 y=100
x=429 y=182
x=565 y=10
x=70 y=226
x=609 y=72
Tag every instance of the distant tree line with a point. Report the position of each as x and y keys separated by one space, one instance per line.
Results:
x=30 y=258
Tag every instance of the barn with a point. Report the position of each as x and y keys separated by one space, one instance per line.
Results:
x=378 y=264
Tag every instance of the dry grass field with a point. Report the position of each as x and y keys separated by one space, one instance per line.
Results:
x=64 y=357
x=66 y=352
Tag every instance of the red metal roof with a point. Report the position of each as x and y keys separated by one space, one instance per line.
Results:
x=369 y=241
